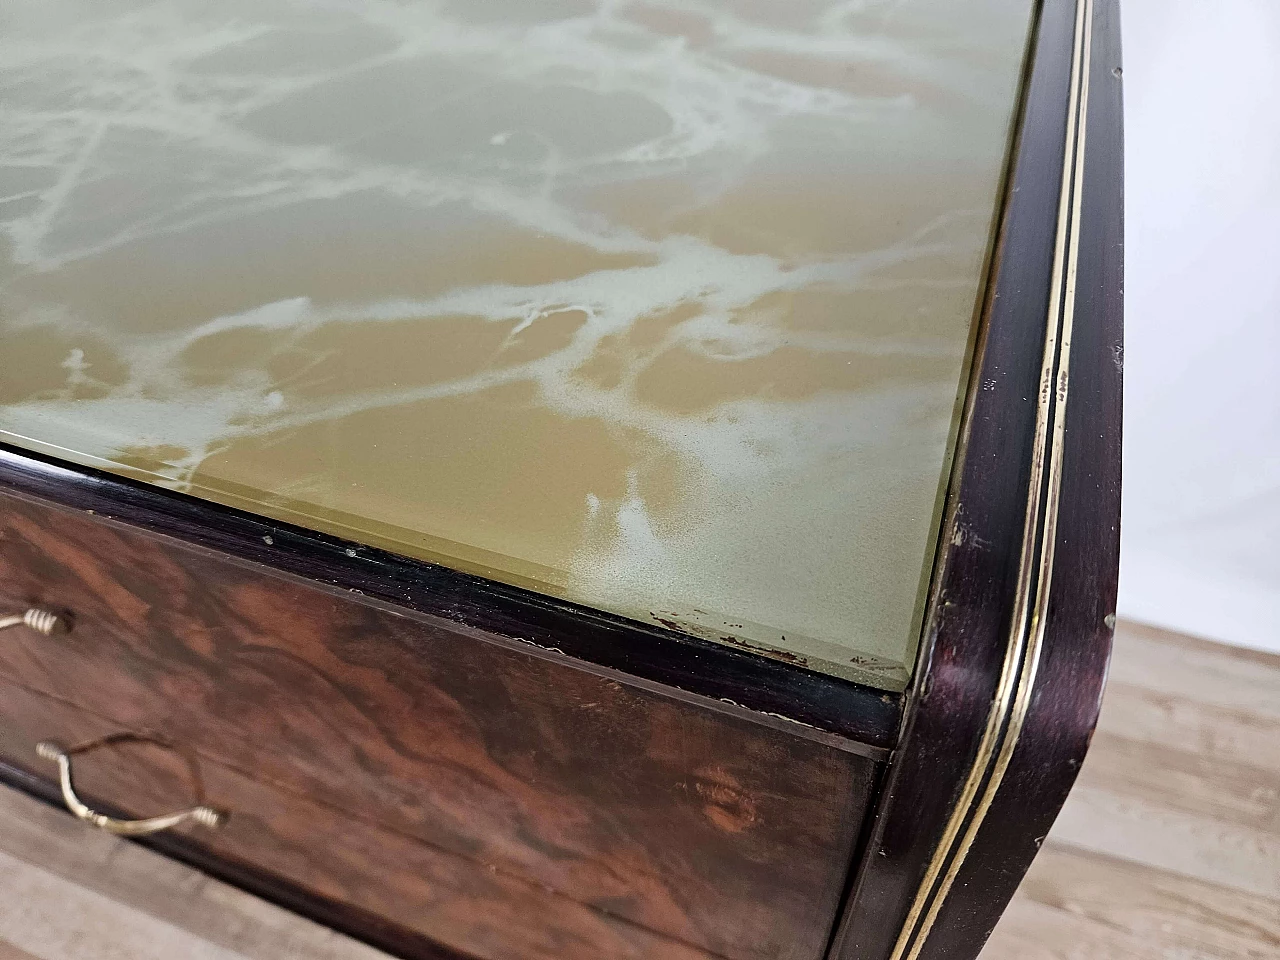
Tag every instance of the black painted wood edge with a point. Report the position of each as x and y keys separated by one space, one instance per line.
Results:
x=976 y=584
x=793 y=699
x=1067 y=695
x=352 y=921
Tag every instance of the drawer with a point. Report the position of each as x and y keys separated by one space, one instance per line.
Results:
x=634 y=807
x=312 y=846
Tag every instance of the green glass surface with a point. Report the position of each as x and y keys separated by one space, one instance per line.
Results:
x=664 y=308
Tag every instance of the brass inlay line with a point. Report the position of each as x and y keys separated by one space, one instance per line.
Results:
x=1026 y=636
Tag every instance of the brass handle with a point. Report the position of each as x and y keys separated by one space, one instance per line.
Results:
x=38 y=619
x=205 y=816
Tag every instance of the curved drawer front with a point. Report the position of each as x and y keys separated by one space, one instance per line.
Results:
x=616 y=802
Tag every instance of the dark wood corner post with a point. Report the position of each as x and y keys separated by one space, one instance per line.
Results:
x=1015 y=654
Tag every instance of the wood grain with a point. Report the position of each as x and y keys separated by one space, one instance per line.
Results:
x=1198 y=794
x=1190 y=695
x=1078 y=906
x=56 y=918
x=1074 y=904
x=1195 y=845
x=451 y=900
x=698 y=825
x=1228 y=791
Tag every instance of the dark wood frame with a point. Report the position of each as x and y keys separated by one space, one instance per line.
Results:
x=961 y=721
x=987 y=741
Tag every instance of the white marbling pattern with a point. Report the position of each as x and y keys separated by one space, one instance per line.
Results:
x=662 y=307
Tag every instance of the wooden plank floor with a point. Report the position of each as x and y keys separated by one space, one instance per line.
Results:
x=1169 y=848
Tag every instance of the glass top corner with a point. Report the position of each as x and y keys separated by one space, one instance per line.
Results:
x=660 y=307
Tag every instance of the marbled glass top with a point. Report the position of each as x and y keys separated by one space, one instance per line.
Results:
x=663 y=307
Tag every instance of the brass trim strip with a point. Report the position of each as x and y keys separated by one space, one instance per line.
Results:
x=1026 y=636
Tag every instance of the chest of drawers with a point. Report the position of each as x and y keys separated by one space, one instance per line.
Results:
x=508 y=628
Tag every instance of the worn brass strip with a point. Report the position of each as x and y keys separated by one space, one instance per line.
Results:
x=1026 y=636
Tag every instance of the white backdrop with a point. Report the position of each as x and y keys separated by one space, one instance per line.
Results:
x=1201 y=529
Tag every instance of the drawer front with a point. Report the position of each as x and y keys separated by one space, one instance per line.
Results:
x=418 y=888
x=700 y=826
